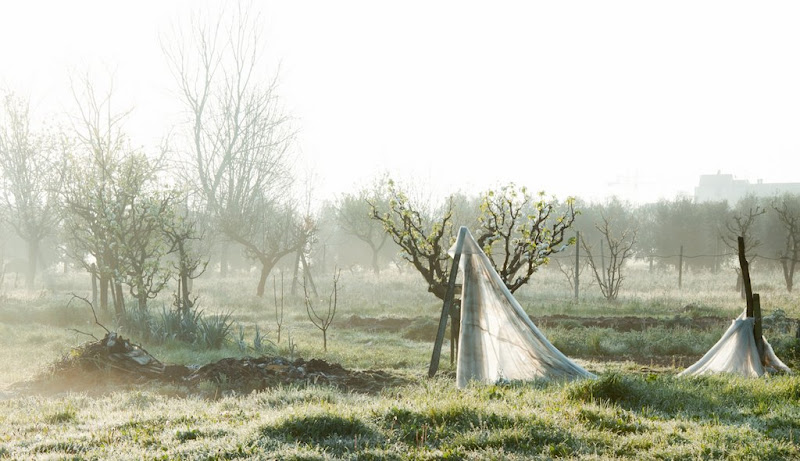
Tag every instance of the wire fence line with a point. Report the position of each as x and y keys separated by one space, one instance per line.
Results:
x=685 y=256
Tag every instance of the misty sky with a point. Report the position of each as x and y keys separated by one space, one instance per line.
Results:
x=587 y=98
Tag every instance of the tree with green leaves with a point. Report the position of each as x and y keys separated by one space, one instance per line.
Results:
x=114 y=206
x=423 y=237
x=519 y=231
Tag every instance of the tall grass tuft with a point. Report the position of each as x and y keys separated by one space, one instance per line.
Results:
x=214 y=330
x=612 y=387
x=189 y=326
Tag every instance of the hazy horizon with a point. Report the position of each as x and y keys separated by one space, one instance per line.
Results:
x=587 y=99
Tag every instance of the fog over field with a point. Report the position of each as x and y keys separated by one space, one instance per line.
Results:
x=627 y=98
x=399 y=230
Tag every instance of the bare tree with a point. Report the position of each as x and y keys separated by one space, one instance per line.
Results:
x=620 y=247
x=519 y=233
x=115 y=209
x=31 y=179
x=788 y=209
x=240 y=136
x=742 y=224
x=89 y=193
x=354 y=217
x=139 y=228
x=182 y=235
x=323 y=320
x=278 y=305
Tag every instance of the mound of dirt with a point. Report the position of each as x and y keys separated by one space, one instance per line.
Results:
x=113 y=362
x=424 y=328
x=250 y=374
x=415 y=329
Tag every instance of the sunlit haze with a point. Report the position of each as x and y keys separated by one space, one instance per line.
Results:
x=635 y=99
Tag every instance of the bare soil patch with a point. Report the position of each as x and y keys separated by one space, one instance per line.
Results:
x=630 y=323
x=423 y=328
x=114 y=363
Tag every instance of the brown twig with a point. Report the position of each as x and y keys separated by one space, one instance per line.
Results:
x=84 y=333
x=93 y=311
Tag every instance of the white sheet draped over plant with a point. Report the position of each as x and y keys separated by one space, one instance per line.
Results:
x=736 y=352
x=498 y=341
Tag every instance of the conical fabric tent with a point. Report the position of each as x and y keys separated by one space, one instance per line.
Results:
x=736 y=353
x=498 y=341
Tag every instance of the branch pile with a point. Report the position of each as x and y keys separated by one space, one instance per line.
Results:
x=113 y=361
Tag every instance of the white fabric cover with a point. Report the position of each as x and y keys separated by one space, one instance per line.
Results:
x=736 y=353
x=498 y=341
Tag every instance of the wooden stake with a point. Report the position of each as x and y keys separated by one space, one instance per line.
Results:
x=577 y=262
x=748 y=289
x=448 y=300
x=757 y=333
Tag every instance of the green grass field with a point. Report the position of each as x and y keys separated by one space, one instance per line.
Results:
x=636 y=409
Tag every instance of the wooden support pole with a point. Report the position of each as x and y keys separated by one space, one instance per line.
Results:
x=757 y=331
x=448 y=300
x=680 y=268
x=577 y=263
x=748 y=289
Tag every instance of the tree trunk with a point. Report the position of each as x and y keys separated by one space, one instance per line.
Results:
x=307 y=275
x=183 y=280
x=119 y=300
x=376 y=268
x=141 y=296
x=94 y=285
x=223 y=260
x=786 y=278
x=104 y=283
x=266 y=268
x=33 y=256
x=294 y=274
x=185 y=301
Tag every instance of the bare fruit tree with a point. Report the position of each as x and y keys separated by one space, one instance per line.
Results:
x=114 y=206
x=31 y=178
x=742 y=224
x=354 y=217
x=320 y=319
x=788 y=210
x=619 y=244
x=239 y=135
x=92 y=170
x=278 y=305
x=181 y=233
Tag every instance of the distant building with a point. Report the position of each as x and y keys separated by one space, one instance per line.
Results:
x=724 y=187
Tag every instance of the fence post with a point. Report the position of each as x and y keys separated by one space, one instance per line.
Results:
x=757 y=332
x=577 y=262
x=680 y=268
x=448 y=301
x=748 y=290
